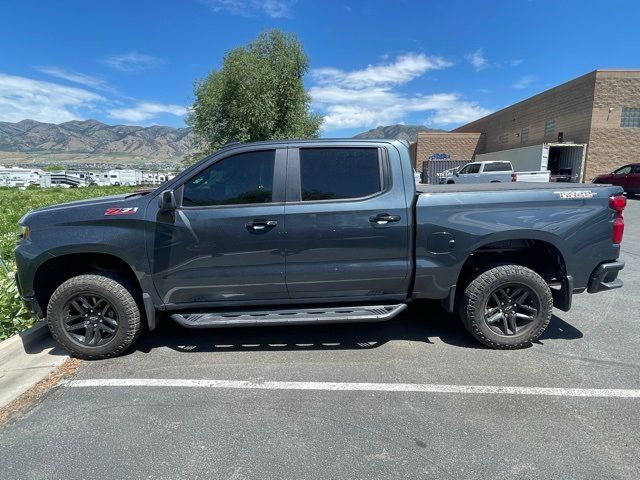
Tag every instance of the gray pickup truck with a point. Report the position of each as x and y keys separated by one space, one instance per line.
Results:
x=321 y=231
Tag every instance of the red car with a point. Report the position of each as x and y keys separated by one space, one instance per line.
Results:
x=627 y=177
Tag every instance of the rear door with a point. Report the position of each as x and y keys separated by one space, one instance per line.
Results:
x=347 y=223
x=496 y=172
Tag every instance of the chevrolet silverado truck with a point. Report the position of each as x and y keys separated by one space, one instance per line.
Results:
x=493 y=171
x=318 y=231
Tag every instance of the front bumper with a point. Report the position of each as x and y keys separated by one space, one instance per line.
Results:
x=605 y=277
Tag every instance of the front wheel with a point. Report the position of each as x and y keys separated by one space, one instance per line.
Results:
x=507 y=307
x=94 y=316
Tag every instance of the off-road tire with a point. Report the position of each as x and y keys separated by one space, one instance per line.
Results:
x=477 y=294
x=118 y=293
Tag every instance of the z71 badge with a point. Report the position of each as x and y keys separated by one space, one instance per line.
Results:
x=121 y=211
x=576 y=194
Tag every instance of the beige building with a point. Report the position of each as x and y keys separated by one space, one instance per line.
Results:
x=454 y=146
x=589 y=125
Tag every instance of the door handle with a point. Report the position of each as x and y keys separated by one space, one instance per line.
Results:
x=260 y=224
x=384 y=218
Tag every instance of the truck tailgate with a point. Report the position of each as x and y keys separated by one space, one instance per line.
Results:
x=537 y=176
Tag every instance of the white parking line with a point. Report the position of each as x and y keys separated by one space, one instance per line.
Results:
x=353 y=387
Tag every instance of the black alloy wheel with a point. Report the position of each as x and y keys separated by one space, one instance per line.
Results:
x=511 y=309
x=90 y=320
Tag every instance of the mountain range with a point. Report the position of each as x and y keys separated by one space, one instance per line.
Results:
x=400 y=132
x=91 y=136
x=90 y=143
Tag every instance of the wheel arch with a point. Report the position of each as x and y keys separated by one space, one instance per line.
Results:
x=542 y=254
x=56 y=270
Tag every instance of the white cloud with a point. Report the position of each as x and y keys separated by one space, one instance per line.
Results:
x=249 y=8
x=368 y=97
x=144 y=111
x=477 y=59
x=404 y=69
x=22 y=98
x=132 y=61
x=75 y=77
x=457 y=111
x=523 y=82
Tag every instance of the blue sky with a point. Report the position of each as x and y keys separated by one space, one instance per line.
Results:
x=377 y=62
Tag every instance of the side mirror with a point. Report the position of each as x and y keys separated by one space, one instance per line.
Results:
x=167 y=201
x=457 y=173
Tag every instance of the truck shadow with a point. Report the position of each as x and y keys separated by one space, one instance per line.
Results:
x=420 y=323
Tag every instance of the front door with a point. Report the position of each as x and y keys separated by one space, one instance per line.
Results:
x=224 y=244
x=347 y=226
x=633 y=181
x=469 y=174
x=620 y=176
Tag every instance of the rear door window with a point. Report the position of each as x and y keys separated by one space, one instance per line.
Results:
x=339 y=173
x=497 y=167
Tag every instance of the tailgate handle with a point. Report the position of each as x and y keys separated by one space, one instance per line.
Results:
x=384 y=218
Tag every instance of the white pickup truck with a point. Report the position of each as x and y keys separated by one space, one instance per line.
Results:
x=492 y=172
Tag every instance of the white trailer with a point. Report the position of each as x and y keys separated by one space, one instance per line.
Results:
x=23 y=177
x=565 y=161
x=122 y=177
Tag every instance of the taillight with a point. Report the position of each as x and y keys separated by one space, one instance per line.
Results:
x=514 y=177
x=617 y=203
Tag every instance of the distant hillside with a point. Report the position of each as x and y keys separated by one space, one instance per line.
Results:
x=155 y=143
x=93 y=144
x=400 y=132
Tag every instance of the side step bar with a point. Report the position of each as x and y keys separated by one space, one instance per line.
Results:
x=367 y=313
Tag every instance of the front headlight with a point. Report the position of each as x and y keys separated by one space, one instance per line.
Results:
x=25 y=231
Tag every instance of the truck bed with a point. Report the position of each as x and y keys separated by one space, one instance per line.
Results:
x=507 y=186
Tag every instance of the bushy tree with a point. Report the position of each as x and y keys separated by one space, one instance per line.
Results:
x=258 y=94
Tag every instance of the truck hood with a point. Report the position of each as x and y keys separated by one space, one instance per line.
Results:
x=93 y=206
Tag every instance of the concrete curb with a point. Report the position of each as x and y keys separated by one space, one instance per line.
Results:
x=28 y=337
x=25 y=359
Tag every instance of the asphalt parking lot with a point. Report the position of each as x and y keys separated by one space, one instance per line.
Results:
x=260 y=425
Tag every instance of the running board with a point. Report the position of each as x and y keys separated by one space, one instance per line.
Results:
x=307 y=316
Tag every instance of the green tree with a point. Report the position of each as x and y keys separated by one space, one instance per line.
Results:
x=258 y=94
x=53 y=168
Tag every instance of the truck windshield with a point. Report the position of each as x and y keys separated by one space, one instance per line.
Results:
x=497 y=167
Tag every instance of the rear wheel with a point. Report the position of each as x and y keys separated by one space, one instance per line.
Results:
x=94 y=316
x=507 y=307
